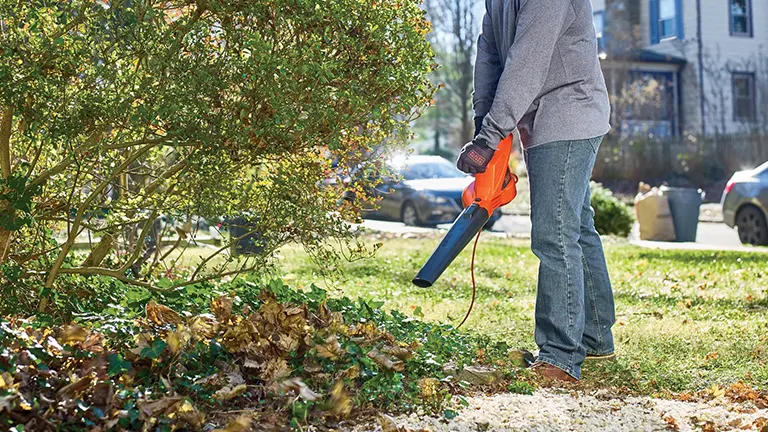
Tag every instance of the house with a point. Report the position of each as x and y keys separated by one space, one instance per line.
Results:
x=677 y=67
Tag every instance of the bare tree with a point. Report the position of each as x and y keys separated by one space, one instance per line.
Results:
x=454 y=38
x=716 y=97
x=761 y=90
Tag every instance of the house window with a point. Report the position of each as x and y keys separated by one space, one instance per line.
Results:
x=647 y=104
x=666 y=20
x=744 y=97
x=741 y=18
x=598 y=19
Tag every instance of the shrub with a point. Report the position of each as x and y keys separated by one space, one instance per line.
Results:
x=114 y=113
x=612 y=217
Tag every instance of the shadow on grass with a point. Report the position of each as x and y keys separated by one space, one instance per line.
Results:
x=712 y=304
x=700 y=257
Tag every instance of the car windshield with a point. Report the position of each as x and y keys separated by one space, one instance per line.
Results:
x=431 y=170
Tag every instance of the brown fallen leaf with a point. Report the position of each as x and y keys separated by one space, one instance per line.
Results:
x=178 y=338
x=274 y=370
x=203 y=327
x=341 y=404
x=222 y=308
x=399 y=352
x=715 y=391
x=287 y=343
x=297 y=386
x=228 y=392
x=429 y=387
x=72 y=333
x=323 y=316
x=6 y=381
x=187 y=413
x=160 y=314
x=240 y=424
x=7 y=402
x=103 y=393
x=368 y=330
x=240 y=337
x=73 y=388
x=760 y=423
x=387 y=423
x=386 y=362
x=93 y=343
x=155 y=408
x=331 y=349
x=251 y=364
x=351 y=373
x=671 y=422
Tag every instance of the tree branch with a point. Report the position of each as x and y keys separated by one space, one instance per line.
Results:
x=72 y=235
x=5 y=141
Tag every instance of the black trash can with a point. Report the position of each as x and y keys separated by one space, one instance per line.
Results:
x=685 y=205
x=250 y=244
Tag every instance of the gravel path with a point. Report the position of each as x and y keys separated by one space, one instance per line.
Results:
x=557 y=410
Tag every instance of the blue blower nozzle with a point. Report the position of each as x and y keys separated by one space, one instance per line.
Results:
x=466 y=227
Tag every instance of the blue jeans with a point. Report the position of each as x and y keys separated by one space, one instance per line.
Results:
x=574 y=301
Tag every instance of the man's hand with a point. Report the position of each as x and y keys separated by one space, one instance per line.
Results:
x=474 y=157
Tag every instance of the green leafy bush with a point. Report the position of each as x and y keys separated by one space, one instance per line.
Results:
x=113 y=113
x=612 y=217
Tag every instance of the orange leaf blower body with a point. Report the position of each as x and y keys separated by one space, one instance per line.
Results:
x=494 y=188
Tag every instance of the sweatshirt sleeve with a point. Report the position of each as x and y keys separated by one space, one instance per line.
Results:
x=487 y=68
x=540 y=24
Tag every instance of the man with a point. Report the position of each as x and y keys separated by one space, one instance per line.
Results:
x=537 y=71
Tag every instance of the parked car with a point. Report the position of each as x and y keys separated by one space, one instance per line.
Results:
x=745 y=205
x=428 y=194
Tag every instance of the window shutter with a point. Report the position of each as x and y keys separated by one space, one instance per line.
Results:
x=654 y=20
x=679 y=17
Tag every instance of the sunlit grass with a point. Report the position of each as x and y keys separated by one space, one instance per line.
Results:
x=686 y=320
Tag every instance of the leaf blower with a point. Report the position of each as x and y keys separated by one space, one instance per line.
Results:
x=494 y=188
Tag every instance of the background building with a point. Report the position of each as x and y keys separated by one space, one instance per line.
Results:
x=677 y=67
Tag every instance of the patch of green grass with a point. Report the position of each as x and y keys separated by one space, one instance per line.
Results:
x=686 y=320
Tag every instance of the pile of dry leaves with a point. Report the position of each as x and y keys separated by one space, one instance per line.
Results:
x=281 y=363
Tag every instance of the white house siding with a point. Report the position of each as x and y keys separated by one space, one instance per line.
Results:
x=721 y=50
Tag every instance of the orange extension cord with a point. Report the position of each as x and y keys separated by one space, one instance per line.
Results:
x=474 y=285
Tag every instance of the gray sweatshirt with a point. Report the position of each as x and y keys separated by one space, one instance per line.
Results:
x=537 y=69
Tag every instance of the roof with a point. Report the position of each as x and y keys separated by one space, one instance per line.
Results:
x=649 y=56
x=646 y=55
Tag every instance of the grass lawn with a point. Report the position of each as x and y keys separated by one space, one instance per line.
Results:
x=686 y=320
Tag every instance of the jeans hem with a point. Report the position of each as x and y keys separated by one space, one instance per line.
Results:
x=567 y=369
x=600 y=353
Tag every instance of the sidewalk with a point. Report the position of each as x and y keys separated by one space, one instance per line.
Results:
x=696 y=247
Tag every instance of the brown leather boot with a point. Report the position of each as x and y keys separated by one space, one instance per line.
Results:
x=550 y=372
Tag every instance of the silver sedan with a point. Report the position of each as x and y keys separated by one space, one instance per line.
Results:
x=745 y=205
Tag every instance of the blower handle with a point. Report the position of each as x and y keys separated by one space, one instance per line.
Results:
x=497 y=186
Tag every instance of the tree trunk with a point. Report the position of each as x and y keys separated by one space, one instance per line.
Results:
x=5 y=166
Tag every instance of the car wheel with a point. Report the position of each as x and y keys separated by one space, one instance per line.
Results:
x=409 y=216
x=752 y=226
